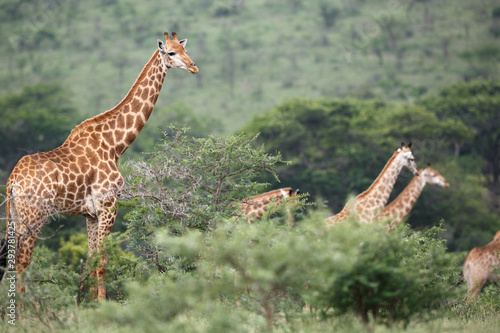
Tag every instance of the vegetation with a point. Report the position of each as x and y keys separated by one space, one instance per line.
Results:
x=191 y=183
x=314 y=95
x=201 y=269
x=339 y=146
x=252 y=55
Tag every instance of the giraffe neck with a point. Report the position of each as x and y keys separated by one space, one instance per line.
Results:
x=117 y=128
x=371 y=202
x=404 y=202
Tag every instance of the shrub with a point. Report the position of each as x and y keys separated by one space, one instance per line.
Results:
x=392 y=276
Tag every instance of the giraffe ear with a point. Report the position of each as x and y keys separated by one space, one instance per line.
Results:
x=183 y=42
x=161 y=47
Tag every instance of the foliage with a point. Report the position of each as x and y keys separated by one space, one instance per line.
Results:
x=191 y=183
x=423 y=46
x=339 y=146
x=324 y=139
x=476 y=105
x=391 y=276
x=261 y=276
x=73 y=250
x=331 y=142
x=478 y=309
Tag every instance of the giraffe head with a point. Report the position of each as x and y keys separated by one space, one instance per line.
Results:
x=289 y=192
x=173 y=54
x=408 y=159
x=432 y=176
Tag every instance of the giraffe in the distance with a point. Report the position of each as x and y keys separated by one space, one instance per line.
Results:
x=369 y=204
x=255 y=207
x=404 y=202
x=479 y=266
x=81 y=177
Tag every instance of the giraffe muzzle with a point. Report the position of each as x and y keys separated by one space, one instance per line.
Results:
x=193 y=69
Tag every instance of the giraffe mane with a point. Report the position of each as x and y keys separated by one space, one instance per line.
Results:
x=107 y=114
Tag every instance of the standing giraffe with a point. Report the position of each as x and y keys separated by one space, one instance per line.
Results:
x=81 y=177
x=369 y=204
x=255 y=207
x=479 y=266
x=401 y=206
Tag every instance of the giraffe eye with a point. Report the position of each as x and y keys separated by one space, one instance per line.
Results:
x=171 y=54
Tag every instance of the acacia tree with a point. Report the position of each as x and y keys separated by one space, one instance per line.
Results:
x=191 y=183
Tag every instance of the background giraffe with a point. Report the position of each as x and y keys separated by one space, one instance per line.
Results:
x=81 y=177
x=369 y=204
x=479 y=266
x=255 y=207
x=401 y=206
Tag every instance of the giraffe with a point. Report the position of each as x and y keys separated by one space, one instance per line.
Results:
x=255 y=207
x=81 y=177
x=369 y=204
x=479 y=266
x=401 y=206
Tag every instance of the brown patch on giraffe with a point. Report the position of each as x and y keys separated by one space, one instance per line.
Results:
x=145 y=94
x=139 y=124
x=73 y=168
x=130 y=121
x=120 y=149
x=136 y=104
x=130 y=138
x=119 y=135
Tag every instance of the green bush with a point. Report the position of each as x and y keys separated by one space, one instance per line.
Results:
x=270 y=272
x=392 y=276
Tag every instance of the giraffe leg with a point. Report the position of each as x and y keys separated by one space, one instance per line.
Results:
x=26 y=243
x=106 y=220
x=92 y=231
x=475 y=287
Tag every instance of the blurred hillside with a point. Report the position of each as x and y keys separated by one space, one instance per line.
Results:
x=252 y=55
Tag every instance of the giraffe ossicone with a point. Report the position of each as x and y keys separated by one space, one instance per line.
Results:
x=369 y=204
x=81 y=177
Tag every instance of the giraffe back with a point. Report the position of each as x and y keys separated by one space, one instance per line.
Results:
x=255 y=207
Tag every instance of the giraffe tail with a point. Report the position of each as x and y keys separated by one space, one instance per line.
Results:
x=3 y=244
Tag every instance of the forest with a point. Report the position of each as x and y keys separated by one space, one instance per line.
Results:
x=311 y=95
